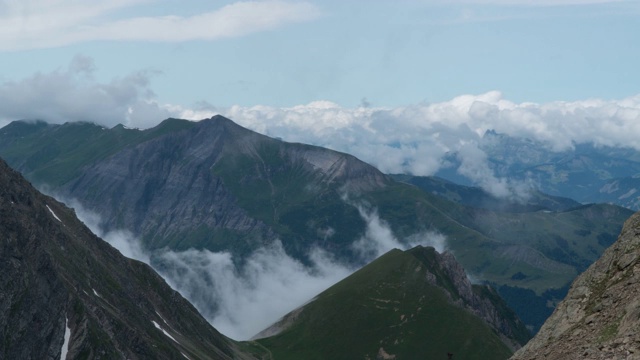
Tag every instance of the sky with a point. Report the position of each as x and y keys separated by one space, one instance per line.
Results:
x=198 y=53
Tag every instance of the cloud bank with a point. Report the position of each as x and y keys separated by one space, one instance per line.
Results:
x=242 y=300
x=30 y=24
x=411 y=139
x=415 y=139
x=72 y=94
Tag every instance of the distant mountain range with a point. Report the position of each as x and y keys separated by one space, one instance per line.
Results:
x=215 y=185
x=586 y=173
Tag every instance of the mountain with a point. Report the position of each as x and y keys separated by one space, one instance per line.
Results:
x=65 y=292
x=476 y=197
x=600 y=317
x=414 y=304
x=586 y=172
x=217 y=186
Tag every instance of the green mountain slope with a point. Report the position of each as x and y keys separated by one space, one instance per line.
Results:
x=476 y=197
x=415 y=304
x=63 y=290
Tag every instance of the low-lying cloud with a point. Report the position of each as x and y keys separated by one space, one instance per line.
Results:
x=72 y=94
x=379 y=239
x=415 y=139
x=242 y=300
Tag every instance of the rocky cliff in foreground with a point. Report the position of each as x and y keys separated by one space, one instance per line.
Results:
x=65 y=293
x=600 y=317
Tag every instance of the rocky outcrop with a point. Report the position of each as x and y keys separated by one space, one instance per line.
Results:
x=481 y=300
x=65 y=292
x=600 y=317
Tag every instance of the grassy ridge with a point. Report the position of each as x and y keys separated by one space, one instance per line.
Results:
x=386 y=306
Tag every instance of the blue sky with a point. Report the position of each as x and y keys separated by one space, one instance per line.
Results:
x=284 y=53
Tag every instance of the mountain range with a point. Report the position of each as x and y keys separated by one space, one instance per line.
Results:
x=586 y=172
x=216 y=186
x=67 y=294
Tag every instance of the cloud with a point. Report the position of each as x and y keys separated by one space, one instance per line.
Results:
x=51 y=23
x=241 y=297
x=73 y=94
x=378 y=238
x=415 y=138
x=250 y=298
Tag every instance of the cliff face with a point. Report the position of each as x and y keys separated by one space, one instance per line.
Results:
x=63 y=291
x=600 y=317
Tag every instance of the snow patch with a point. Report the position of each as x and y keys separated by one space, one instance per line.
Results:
x=67 y=337
x=96 y=293
x=165 y=321
x=54 y=214
x=185 y=356
x=163 y=331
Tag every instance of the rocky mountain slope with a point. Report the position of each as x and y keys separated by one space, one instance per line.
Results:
x=215 y=185
x=65 y=292
x=416 y=304
x=600 y=317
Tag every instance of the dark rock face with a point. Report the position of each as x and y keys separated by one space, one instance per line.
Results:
x=600 y=317
x=58 y=277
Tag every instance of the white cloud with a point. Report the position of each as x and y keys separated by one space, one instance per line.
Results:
x=51 y=23
x=73 y=95
x=243 y=297
x=378 y=238
x=414 y=139
x=250 y=298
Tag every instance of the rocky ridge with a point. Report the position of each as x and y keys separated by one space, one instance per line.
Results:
x=66 y=293
x=406 y=304
x=600 y=317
